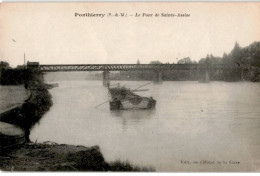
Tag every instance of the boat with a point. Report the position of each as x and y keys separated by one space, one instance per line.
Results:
x=124 y=98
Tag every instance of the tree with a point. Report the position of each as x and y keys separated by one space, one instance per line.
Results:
x=155 y=62
x=185 y=60
x=236 y=54
x=138 y=62
x=4 y=65
x=225 y=55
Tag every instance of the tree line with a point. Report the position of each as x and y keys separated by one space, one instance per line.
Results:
x=244 y=65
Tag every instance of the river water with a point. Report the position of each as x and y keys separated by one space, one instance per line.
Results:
x=213 y=126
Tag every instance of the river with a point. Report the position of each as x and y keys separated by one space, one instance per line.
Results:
x=213 y=126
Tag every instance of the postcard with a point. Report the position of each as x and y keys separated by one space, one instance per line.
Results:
x=130 y=86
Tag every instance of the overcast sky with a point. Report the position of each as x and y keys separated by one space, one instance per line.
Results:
x=50 y=33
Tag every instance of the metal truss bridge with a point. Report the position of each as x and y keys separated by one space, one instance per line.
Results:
x=129 y=67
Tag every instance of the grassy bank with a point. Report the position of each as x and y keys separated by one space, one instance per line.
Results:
x=60 y=157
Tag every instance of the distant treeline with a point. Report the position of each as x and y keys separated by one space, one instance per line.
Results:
x=16 y=76
x=242 y=60
x=13 y=77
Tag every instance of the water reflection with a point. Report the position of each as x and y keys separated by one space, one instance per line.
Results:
x=130 y=117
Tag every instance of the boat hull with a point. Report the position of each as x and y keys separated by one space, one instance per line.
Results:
x=144 y=103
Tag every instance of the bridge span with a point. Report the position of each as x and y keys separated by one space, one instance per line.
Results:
x=106 y=68
x=127 y=67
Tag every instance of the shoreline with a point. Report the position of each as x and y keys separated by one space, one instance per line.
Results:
x=50 y=156
x=31 y=111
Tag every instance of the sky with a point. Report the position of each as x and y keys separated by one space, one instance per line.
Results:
x=50 y=33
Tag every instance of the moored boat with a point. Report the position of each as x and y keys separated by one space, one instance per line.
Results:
x=124 y=98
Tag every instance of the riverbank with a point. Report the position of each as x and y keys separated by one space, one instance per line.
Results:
x=30 y=112
x=49 y=156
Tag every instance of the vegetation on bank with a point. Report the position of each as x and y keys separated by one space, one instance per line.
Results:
x=31 y=110
x=51 y=156
x=13 y=76
x=126 y=166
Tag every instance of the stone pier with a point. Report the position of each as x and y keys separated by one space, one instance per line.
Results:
x=106 y=80
x=157 y=78
x=205 y=77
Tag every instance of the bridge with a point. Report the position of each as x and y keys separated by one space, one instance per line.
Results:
x=127 y=67
x=106 y=68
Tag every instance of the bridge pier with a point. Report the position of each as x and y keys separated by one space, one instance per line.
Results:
x=157 y=77
x=106 y=80
x=205 y=77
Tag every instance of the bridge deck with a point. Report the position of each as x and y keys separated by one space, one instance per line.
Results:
x=126 y=67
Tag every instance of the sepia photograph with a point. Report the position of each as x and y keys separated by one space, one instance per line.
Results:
x=130 y=87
